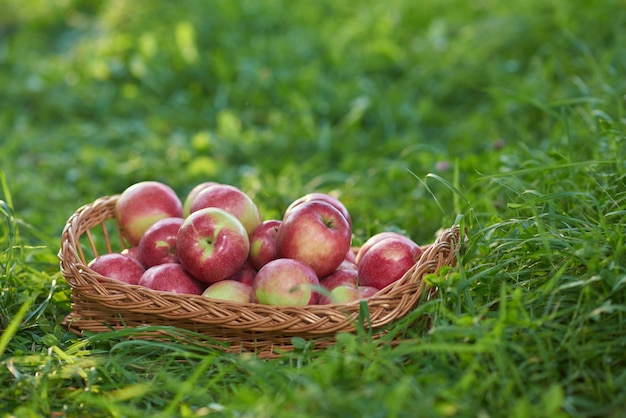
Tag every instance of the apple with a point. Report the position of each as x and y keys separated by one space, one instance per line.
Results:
x=171 y=277
x=325 y=197
x=317 y=234
x=192 y=195
x=142 y=204
x=117 y=266
x=367 y=291
x=351 y=256
x=340 y=277
x=346 y=265
x=285 y=282
x=132 y=252
x=263 y=243
x=158 y=244
x=212 y=244
x=245 y=274
x=343 y=293
x=230 y=290
x=232 y=200
x=387 y=261
x=373 y=240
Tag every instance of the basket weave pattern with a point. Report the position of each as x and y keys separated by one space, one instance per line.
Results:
x=102 y=304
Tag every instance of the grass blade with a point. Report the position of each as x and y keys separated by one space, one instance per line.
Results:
x=14 y=325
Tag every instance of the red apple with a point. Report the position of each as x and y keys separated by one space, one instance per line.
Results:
x=117 y=266
x=285 y=282
x=158 y=244
x=132 y=252
x=346 y=265
x=230 y=290
x=171 y=277
x=142 y=204
x=340 y=277
x=351 y=256
x=387 y=261
x=349 y=263
x=263 y=243
x=343 y=293
x=336 y=279
x=333 y=201
x=232 y=200
x=245 y=274
x=367 y=291
x=315 y=233
x=212 y=244
x=373 y=240
x=192 y=195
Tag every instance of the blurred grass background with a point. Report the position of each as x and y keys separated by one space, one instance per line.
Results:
x=281 y=98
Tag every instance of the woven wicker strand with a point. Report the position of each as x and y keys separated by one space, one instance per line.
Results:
x=102 y=304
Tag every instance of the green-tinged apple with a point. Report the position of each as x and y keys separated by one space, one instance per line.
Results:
x=212 y=244
x=325 y=197
x=373 y=240
x=343 y=293
x=192 y=195
x=171 y=277
x=142 y=204
x=339 y=277
x=117 y=266
x=317 y=234
x=158 y=244
x=232 y=200
x=285 y=282
x=230 y=290
x=263 y=243
x=387 y=261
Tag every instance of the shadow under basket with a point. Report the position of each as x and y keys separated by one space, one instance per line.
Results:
x=101 y=304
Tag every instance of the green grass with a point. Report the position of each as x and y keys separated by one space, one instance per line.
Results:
x=505 y=116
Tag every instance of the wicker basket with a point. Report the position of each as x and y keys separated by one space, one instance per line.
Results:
x=101 y=304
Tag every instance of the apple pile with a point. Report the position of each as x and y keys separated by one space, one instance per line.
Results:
x=215 y=243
